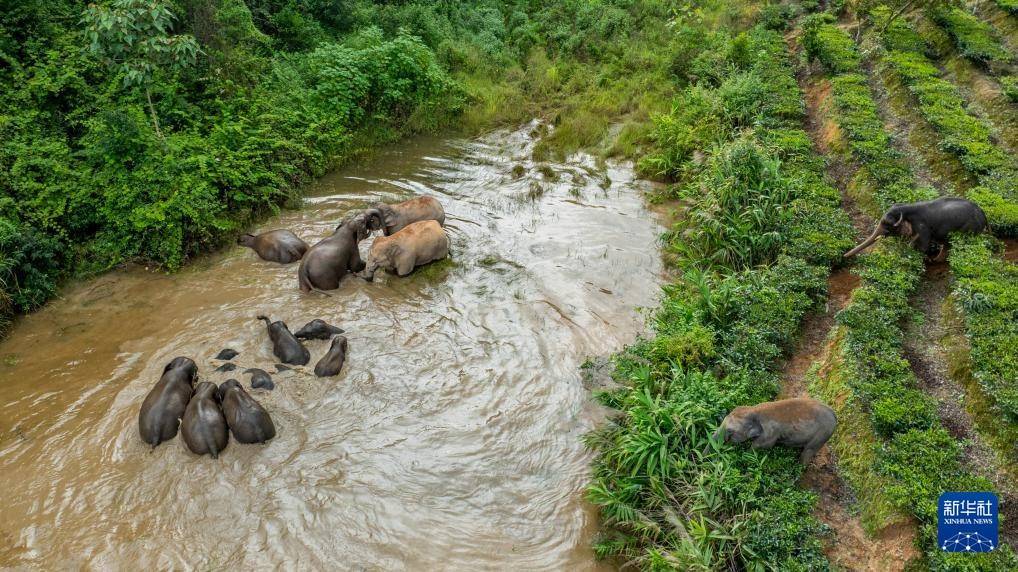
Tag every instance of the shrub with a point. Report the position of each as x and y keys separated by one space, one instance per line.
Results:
x=976 y=39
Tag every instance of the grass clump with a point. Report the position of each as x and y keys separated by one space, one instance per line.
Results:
x=976 y=40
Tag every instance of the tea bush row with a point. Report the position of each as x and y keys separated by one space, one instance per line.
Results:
x=918 y=455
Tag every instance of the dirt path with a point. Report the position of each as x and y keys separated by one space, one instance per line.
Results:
x=850 y=547
x=925 y=351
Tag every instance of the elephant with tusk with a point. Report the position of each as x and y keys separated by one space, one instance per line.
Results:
x=927 y=223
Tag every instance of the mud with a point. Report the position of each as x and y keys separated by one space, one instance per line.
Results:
x=451 y=440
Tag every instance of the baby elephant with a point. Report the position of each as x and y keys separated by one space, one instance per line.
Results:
x=284 y=345
x=280 y=246
x=164 y=405
x=417 y=244
x=393 y=218
x=204 y=427
x=332 y=363
x=805 y=423
x=317 y=330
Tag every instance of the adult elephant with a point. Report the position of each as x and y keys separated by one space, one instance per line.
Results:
x=327 y=262
x=280 y=246
x=391 y=219
x=927 y=223
x=417 y=244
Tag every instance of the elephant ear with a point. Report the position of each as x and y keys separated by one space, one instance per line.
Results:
x=753 y=427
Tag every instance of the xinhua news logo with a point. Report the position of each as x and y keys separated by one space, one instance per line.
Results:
x=967 y=522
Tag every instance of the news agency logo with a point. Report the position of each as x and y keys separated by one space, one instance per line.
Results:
x=967 y=522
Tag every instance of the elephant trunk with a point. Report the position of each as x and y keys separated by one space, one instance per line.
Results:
x=877 y=235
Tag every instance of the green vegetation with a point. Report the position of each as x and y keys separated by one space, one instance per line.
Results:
x=975 y=39
x=761 y=231
x=964 y=134
x=918 y=456
x=1009 y=5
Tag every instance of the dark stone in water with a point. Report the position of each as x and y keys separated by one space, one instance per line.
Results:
x=280 y=368
x=227 y=354
x=227 y=367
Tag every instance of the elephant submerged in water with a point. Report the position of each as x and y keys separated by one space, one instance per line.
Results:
x=393 y=218
x=328 y=261
x=927 y=223
x=417 y=244
x=280 y=246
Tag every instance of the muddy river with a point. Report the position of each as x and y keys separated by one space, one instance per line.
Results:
x=451 y=439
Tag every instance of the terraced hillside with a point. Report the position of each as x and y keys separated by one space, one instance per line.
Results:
x=791 y=136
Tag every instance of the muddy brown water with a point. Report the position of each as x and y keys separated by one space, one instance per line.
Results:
x=451 y=440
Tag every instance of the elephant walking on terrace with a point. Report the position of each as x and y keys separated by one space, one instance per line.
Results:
x=417 y=244
x=927 y=223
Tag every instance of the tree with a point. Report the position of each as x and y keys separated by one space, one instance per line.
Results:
x=134 y=38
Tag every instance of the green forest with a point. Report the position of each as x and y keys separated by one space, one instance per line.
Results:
x=154 y=131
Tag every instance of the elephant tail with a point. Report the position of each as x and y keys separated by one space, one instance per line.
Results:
x=305 y=282
x=264 y=318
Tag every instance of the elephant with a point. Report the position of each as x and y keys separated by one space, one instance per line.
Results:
x=798 y=422
x=247 y=419
x=393 y=218
x=927 y=223
x=166 y=402
x=332 y=362
x=280 y=246
x=417 y=244
x=284 y=345
x=317 y=330
x=260 y=379
x=204 y=426
x=328 y=261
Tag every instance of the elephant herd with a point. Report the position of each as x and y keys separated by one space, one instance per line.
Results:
x=412 y=236
x=205 y=414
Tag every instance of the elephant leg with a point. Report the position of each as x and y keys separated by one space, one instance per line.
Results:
x=356 y=264
x=921 y=242
x=404 y=266
x=807 y=454
x=764 y=442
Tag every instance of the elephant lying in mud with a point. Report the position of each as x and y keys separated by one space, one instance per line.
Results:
x=805 y=423
x=280 y=246
x=417 y=244
x=927 y=224
x=393 y=218
x=327 y=262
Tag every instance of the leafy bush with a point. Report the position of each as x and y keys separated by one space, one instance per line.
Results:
x=827 y=43
x=976 y=39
